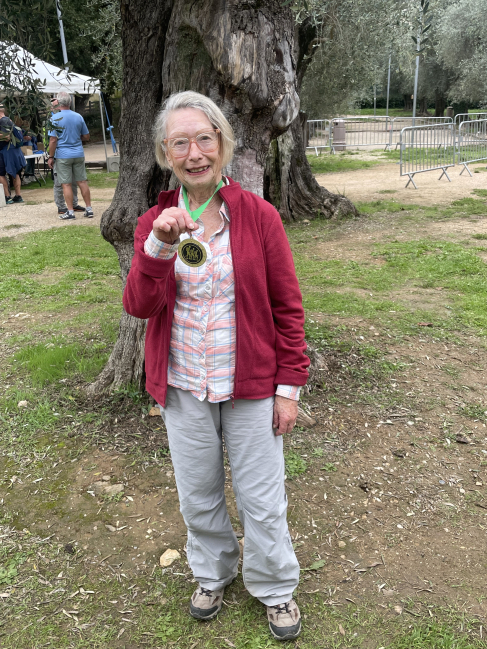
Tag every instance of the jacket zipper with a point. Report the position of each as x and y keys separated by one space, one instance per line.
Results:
x=232 y=396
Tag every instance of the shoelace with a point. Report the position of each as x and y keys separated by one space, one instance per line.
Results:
x=205 y=591
x=281 y=609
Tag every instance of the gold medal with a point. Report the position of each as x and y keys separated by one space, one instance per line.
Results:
x=192 y=252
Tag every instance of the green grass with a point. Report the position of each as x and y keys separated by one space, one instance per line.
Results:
x=393 y=112
x=370 y=290
x=74 y=265
x=474 y=411
x=329 y=163
x=432 y=636
x=51 y=361
x=96 y=179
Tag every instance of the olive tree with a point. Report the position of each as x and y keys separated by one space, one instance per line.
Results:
x=242 y=54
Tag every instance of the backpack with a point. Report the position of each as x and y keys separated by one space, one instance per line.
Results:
x=12 y=134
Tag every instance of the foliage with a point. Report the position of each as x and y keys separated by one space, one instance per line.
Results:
x=356 y=39
x=462 y=48
x=92 y=34
x=295 y=465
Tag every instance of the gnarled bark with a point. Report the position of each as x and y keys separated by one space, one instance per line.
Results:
x=239 y=53
x=291 y=186
x=144 y=25
x=289 y=183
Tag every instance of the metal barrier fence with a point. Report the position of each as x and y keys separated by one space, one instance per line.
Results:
x=398 y=123
x=426 y=148
x=361 y=131
x=471 y=142
x=318 y=134
x=465 y=117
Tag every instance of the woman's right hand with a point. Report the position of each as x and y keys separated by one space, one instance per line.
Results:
x=171 y=223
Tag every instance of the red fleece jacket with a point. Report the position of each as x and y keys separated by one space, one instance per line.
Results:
x=268 y=306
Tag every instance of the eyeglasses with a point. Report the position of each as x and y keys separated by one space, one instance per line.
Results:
x=206 y=143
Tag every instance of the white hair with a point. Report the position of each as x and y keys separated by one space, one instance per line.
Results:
x=190 y=99
x=64 y=98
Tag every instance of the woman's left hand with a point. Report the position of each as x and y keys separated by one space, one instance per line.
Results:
x=285 y=413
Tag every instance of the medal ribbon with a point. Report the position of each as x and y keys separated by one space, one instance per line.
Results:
x=195 y=214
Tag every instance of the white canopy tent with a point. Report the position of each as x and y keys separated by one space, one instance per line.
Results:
x=53 y=79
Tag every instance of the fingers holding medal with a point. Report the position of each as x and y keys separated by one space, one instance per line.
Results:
x=171 y=223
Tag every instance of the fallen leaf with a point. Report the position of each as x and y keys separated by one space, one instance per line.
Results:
x=425 y=324
x=230 y=644
x=388 y=592
x=317 y=564
x=22 y=404
x=341 y=629
x=398 y=609
x=462 y=439
x=4 y=595
x=155 y=411
x=341 y=544
x=168 y=557
x=110 y=528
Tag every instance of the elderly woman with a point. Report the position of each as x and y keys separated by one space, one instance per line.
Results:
x=213 y=273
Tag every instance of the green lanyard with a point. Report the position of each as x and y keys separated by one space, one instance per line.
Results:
x=195 y=214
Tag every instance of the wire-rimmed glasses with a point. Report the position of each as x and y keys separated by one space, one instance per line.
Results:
x=206 y=143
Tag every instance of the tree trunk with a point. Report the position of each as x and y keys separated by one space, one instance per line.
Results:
x=440 y=104
x=408 y=102
x=291 y=186
x=423 y=107
x=239 y=53
x=289 y=183
x=144 y=25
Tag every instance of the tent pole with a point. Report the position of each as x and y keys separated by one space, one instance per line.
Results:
x=103 y=128
x=61 y=33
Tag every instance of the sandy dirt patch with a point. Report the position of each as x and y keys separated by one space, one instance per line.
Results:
x=368 y=184
x=23 y=218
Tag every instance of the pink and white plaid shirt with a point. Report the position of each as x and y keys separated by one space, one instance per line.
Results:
x=203 y=334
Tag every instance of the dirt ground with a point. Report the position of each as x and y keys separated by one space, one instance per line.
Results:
x=23 y=217
x=393 y=499
x=384 y=182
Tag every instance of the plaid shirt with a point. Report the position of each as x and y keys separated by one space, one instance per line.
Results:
x=203 y=334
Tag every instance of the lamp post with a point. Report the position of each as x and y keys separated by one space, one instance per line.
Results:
x=416 y=74
x=388 y=86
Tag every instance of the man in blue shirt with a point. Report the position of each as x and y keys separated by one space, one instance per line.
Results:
x=68 y=133
x=58 y=188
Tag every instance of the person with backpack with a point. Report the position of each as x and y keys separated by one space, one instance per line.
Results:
x=12 y=159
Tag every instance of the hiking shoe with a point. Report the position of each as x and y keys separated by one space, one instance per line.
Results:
x=9 y=200
x=78 y=208
x=89 y=213
x=17 y=199
x=67 y=215
x=206 y=604
x=284 y=620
